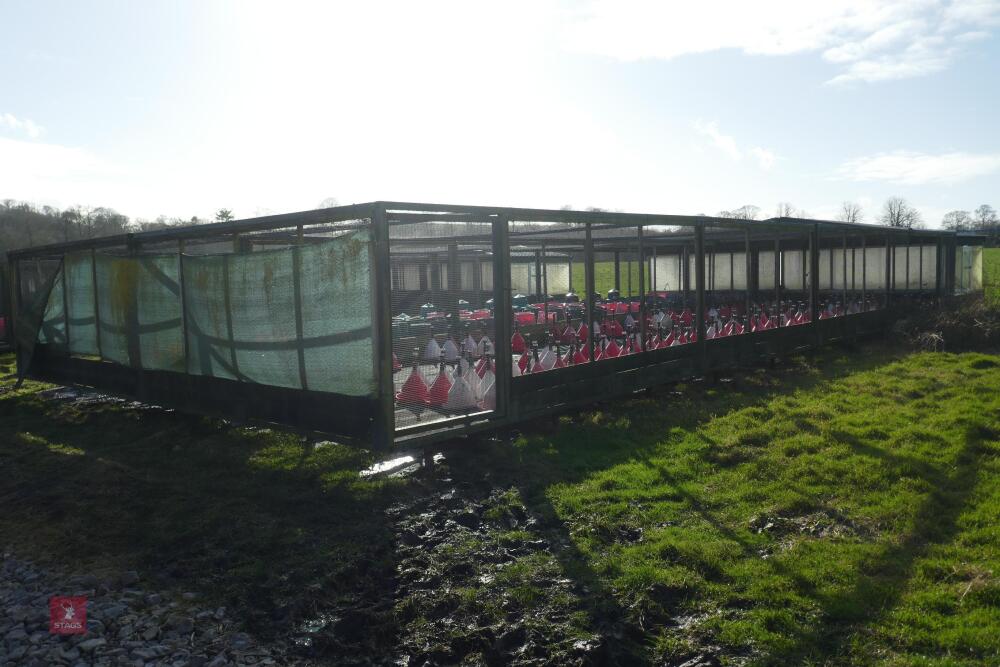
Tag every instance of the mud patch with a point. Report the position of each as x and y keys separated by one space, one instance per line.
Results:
x=826 y=523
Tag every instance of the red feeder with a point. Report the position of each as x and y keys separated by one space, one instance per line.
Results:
x=414 y=394
x=438 y=393
x=517 y=344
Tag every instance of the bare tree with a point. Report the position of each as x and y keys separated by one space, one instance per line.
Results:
x=786 y=210
x=329 y=202
x=897 y=212
x=984 y=217
x=956 y=220
x=747 y=212
x=850 y=212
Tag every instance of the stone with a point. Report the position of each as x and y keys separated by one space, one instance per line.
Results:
x=91 y=644
x=69 y=654
x=180 y=624
x=130 y=578
x=113 y=611
x=150 y=653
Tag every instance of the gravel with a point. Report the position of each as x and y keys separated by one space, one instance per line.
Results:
x=126 y=624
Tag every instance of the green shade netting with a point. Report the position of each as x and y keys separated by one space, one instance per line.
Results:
x=240 y=312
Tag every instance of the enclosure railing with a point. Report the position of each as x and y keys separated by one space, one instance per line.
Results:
x=406 y=323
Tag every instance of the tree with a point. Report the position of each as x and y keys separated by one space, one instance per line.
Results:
x=897 y=212
x=745 y=212
x=850 y=212
x=984 y=217
x=329 y=202
x=786 y=210
x=956 y=220
x=223 y=215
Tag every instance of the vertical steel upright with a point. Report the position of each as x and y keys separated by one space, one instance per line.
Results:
x=502 y=309
x=65 y=299
x=814 y=279
x=385 y=420
x=642 y=290
x=300 y=349
x=843 y=282
x=97 y=303
x=182 y=296
x=748 y=292
x=699 y=285
x=889 y=278
x=864 y=274
x=588 y=260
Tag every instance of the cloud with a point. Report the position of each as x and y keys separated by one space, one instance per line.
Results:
x=26 y=125
x=870 y=40
x=764 y=157
x=723 y=142
x=912 y=168
x=58 y=175
x=727 y=144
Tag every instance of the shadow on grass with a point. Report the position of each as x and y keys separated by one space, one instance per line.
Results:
x=880 y=586
x=259 y=520
x=283 y=531
x=568 y=451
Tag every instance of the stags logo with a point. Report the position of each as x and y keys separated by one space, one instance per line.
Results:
x=68 y=616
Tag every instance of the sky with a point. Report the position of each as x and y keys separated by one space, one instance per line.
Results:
x=180 y=108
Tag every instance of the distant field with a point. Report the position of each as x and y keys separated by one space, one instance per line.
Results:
x=604 y=278
x=991 y=274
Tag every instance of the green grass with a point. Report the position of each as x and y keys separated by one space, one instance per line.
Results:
x=839 y=509
x=604 y=278
x=991 y=274
x=855 y=519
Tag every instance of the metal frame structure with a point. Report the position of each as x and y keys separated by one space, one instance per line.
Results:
x=697 y=241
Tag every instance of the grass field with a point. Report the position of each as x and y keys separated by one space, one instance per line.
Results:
x=991 y=274
x=840 y=509
x=604 y=278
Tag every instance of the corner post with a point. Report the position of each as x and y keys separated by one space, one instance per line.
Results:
x=385 y=421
